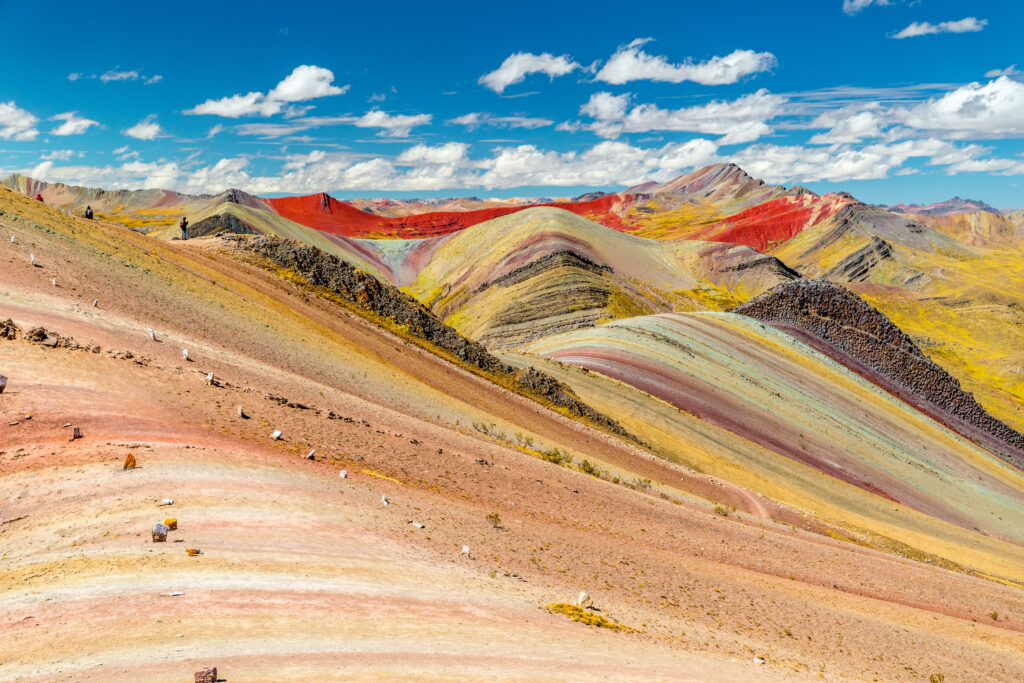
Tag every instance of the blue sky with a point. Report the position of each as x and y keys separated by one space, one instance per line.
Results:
x=891 y=100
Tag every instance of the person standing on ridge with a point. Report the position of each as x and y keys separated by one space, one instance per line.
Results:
x=39 y=197
x=88 y=212
x=184 y=228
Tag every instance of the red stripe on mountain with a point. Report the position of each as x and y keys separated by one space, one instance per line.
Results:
x=767 y=224
x=348 y=221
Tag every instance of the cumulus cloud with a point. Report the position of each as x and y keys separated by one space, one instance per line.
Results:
x=607 y=163
x=391 y=125
x=850 y=124
x=474 y=120
x=119 y=76
x=924 y=28
x=146 y=129
x=16 y=123
x=74 y=76
x=740 y=120
x=73 y=124
x=518 y=66
x=42 y=171
x=974 y=110
x=979 y=111
x=838 y=163
x=306 y=82
x=631 y=63
x=448 y=153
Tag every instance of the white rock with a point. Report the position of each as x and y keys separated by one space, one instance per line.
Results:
x=417 y=525
x=309 y=456
x=184 y=354
x=174 y=594
x=209 y=378
x=584 y=600
x=95 y=303
x=384 y=500
x=152 y=335
x=465 y=550
x=167 y=501
x=276 y=435
x=758 y=660
x=343 y=474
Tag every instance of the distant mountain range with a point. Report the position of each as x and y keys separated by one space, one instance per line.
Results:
x=947 y=208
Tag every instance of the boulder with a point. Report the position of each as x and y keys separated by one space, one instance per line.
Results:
x=160 y=533
x=207 y=675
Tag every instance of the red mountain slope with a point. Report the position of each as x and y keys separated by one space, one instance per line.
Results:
x=340 y=218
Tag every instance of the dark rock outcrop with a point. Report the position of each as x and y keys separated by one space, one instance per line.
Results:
x=219 y=224
x=858 y=266
x=386 y=301
x=830 y=314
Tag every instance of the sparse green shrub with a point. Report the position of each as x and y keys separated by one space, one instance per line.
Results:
x=495 y=519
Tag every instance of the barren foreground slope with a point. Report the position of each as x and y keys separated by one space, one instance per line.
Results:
x=308 y=576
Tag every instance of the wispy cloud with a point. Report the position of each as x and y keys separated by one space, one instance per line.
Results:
x=631 y=63
x=73 y=124
x=119 y=76
x=518 y=66
x=855 y=6
x=474 y=120
x=923 y=28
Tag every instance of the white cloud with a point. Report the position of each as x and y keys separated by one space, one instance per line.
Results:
x=73 y=124
x=74 y=76
x=16 y=123
x=850 y=124
x=394 y=126
x=607 y=163
x=740 y=120
x=125 y=153
x=995 y=109
x=923 y=28
x=1011 y=71
x=119 y=76
x=146 y=129
x=521 y=64
x=42 y=171
x=58 y=155
x=447 y=153
x=214 y=131
x=630 y=63
x=474 y=120
x=854 y=6
x=234 y=106
x=153 y=79
x=305 y=82
x=377 y=97
x=838 y=163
